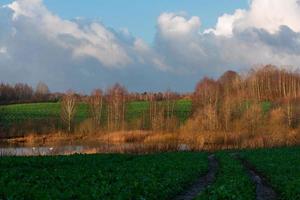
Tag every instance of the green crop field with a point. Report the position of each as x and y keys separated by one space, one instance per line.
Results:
x=19 y=113
x=157 y=176
x=232 y=181
x=281 y=167
x=153 y=176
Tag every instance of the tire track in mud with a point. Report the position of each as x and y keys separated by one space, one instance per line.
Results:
x=264 y=190
x=202 y=183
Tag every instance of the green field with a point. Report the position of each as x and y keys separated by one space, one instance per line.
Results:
x=19 y=113
x=154 y=176
x=49 y=113
x=232 y=181
x=281 y=167
x=157 y=176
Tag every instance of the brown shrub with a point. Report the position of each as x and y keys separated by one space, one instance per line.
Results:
x=87 y=127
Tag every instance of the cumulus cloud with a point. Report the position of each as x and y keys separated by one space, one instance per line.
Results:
x=83 y=54
x=226 y=22
x=262 y=14
x=178 y=40
x=79 y=54
x=92 y=40
x=172 y=25
x=266 y=33
x=145 y=55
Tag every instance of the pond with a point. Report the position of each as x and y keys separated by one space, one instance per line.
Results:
x=43 y=151
x=85 y=149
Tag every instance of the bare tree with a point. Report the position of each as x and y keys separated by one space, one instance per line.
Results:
x=156 y=114
x=42 y=89
x=96 y=104
x=207 y=93
x=68 y=109
x=116 y=98
x=41 y=92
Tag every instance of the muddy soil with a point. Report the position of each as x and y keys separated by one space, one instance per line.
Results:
x=202 y=183
x=264 y=190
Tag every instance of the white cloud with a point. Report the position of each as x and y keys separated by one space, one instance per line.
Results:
x=170 y=24
x=271 y=14
x=25 y=8
x=267 y=32
x=145 y=54
x=226 y=22
x=92 y=40
x=262 y=14
x=180 y=42
x=83 y=54
x=3 y=50
x=77 y=54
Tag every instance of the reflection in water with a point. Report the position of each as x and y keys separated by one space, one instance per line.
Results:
x=81 y=149
x=42 y=151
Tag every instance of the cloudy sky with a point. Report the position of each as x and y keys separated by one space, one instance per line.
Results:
x=144 y=45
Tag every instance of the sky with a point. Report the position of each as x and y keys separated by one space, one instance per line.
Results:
x=144 y=45
x=139 y=16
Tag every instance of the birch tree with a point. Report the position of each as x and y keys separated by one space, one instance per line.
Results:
x=68 y=109
x=96 y=106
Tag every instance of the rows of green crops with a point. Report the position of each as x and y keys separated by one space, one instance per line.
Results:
x=232 y=181
x=281 y=167
x=19 y=113
x=157 y=176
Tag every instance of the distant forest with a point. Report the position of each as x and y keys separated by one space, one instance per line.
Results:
x=23 y=93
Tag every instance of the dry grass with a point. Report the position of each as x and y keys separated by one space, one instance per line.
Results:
x=147 y=141
x=216 y=140
x=115 y=142
x=120 y=137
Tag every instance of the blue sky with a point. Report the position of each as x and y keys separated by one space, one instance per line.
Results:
x=170 y=44
x=139 y=16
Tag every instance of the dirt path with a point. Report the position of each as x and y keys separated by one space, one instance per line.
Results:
x=264 y=191
x=198 y=186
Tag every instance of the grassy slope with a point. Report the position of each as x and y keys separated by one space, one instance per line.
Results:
x=232 y=182
x=19 y=113
x=281 y=167
x=157 y=176
x=42 y=111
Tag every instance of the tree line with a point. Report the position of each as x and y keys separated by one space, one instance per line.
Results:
x=261 y=106
x=107 y=110
x=257 y=108
x=23 y=93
